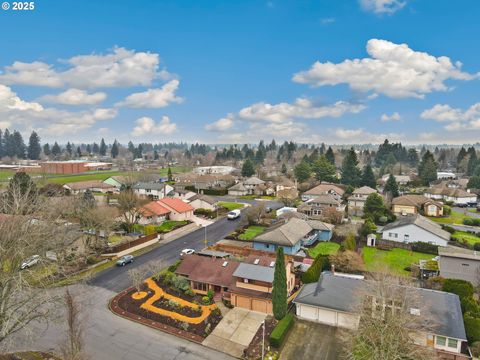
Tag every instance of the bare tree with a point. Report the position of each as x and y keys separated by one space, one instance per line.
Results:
x=254 y=213
x=137 y=276
x=97 y=220
x=391 y=317
x=129 y=205
x=73 y=346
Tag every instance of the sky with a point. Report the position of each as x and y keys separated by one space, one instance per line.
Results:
x=339 y=72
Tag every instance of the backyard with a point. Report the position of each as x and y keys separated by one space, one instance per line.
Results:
x=323 y=248
x=394 y=260
x=464 y=236
x=251 y=232
x=454 y=218
x=230 y=205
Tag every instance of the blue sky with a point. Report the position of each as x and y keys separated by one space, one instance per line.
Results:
x=241 y=71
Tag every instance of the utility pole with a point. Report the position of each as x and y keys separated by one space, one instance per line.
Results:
x=205 y=240
x=263 y=340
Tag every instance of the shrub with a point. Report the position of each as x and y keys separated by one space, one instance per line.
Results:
x=149 y=229
x=471 y=306
x=462 y=288
x=472 y=328
x=216 y=311
x=206 y=212
x=172 y=304
x=471 y=221
x=189 y=292
x=476 y=246
x=206 y=300
x=313 y=273
x=184 y=325
x=475 y=348
x=447 y=210
x=280 y=331
x=210 y=294
x=348 y=261
x=407 y=268
x=450 y=229
x=91 y=259
x=349 y=243
x=368 y=227
x=425 y=248
x=180 y=283
x=174 y=266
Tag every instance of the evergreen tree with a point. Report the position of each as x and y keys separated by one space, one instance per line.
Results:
x=324 y=170
x=103 y=148
x=89 y=149
x=8 y=146
x=312 y=274
x=462 y=154
x=114 y=150
x=284 y=169
x=46 y=149
x=88 y=199
x=95 y=148
x=131 y=147
x=56 y=150
x=156 y=156
x=412 y=157
x=368 y=177
x=351 y=174
x=69 y=149
x=34 y=148
x=19 y=146
x=248 y=168
x=330 y=155
x=169 y=174
x=391 y=187
x=79 y=152
x=427 y=169
x=474 y=182
x=279 y=291
x=375 y=209
x=21 y=185
x=472 y=162
x=302 y=171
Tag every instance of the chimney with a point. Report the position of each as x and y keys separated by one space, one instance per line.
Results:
x=333 y=269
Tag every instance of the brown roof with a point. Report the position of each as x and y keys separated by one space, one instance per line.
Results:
x=364 y=190
x=176 y=204
x=208 y=270
x=413 y=200
x=449 y=192
x=263 y=260
x=324 y=188
x=153 y=208
x=327 y=199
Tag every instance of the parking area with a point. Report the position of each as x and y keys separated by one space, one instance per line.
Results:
x=308 y=340
x=235 y=332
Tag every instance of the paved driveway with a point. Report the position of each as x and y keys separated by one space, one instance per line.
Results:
x=235 y=332
x=308 y=340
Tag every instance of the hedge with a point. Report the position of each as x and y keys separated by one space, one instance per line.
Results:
x=472 y=328
x=219 y=192
x=471 y=221
x=312 y=274
x=462 y=288
x=281 y=330
x=425 y=248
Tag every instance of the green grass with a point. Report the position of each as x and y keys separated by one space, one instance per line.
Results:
x=248 y=197
x=454 y=218
x=230 y=205
x=465 y=236
x=251 y=232
x=473 y=211
x=5 y=174
x=395 y=260
x=169 y=225
x=324 y=248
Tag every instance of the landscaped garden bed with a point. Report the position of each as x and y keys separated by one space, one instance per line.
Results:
x=162 y=305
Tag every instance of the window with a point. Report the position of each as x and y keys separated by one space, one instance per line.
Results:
x=200 y=286
x=452 y=343
x=406 y=237
x=465 y=264
x=441 y=340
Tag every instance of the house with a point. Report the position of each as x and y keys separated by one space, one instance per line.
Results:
x=208 y=273
x=92 y=185
x=200 y=201
x=315 y=207
x=293 y=235
x=456 y=196
x=459 y=263
x=284 y=183
x=400 y=179
x=179 y=210
x=323 y=189
x=116 y=181
x=446 y=175
x=223 y=170
x=416 y=204
x=152 y=190
x=290 y=194
x=182 y=194
x=238 y=190
x=252 y=284
x=356 y=201
x=415 y=228
x=204 y=182
x=153 y=213
x=335 y=298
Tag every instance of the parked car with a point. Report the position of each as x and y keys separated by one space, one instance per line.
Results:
x=234 y=214
x=33 y=260
x=124 y=260
x=187 y=252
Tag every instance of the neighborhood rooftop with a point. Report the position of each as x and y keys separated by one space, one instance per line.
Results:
x=421 y=222
x=287 y=234
x=255 y=272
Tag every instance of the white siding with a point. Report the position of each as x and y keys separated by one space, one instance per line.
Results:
x=412 y=233
x=327 y=316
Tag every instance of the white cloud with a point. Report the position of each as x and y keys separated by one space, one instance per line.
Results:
x=119 y=68
x=394 y=70
x=301 y=108
x=360 y=136
x=222 y=124
x=394 y=117
x=10 y=101
x=457 y=119
x=154 y=98
x=146 y=126
x=75 y=97
x=382 y=6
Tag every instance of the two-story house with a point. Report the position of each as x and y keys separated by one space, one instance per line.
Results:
x=314 y=208
x=336 y=298
x=324 y=188
x=457 y=196
x=152 y=190
x=356 y=201
x=416 y=204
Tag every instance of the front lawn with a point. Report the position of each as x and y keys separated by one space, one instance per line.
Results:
x=462 y=236
x=251 y=232
x=454 y=218
x=169 y=225
x=230 y=205
x=323 y=248
x=395 y=260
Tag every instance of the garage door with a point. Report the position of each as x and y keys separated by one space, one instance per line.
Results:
x=243 y=302
x=259 y=305
x=328 y=317
x=307 y=312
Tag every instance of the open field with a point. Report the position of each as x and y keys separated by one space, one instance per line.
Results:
x=395 y=260
x=251 y=232
x=469 y=238
x=323 y=248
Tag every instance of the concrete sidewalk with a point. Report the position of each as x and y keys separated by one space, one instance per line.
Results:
x=235 y=332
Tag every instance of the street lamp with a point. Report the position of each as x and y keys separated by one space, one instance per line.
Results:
x=205 y=239
x=263 y=339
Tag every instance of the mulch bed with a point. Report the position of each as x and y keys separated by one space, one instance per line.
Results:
x=254 y=349
x=124 y=305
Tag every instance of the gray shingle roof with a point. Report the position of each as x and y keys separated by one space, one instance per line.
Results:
x=239 y=187
x=149 y=186
x=287 y=234
x=253 y=181
x=442 y=310
x=255 y=272
x=320 y=225
x=421 y=222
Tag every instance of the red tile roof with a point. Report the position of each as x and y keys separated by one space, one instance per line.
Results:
x=154 y=208
x=175 y=204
